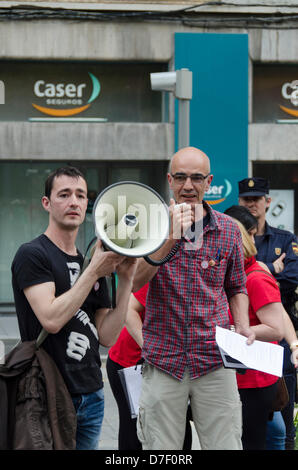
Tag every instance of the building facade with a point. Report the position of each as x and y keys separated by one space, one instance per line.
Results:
x=75 y=90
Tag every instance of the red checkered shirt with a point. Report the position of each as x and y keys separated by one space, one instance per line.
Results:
x=188 y=297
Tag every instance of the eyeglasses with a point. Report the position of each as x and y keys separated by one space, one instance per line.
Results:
x=180 y=178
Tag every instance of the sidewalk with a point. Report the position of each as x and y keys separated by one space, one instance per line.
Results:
x=109 y=432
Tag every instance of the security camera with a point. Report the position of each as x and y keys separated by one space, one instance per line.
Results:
x=179 y=82
x=163 y=81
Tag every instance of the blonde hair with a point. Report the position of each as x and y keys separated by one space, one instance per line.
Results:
x=249 y=248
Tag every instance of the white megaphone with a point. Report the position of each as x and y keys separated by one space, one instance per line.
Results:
x=131 y=219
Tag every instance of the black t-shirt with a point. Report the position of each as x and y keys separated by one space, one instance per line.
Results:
x=75 y=348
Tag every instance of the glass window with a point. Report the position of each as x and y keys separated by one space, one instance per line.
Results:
x=21 y=212
x=114 y=92
x=281 y=176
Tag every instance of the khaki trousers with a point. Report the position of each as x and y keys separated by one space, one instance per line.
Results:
x=215 y=404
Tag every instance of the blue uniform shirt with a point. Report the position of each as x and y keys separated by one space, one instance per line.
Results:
x=270 y=246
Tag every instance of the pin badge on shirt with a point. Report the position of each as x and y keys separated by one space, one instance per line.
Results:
x=204 y=264
x=212 y=262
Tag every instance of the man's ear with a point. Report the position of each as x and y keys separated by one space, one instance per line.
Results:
x=268 y=202
x=170 y=180
x=209 y=181
x=45 y=202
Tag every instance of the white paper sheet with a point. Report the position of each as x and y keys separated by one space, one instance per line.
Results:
x=133 y=382
x=260 y=355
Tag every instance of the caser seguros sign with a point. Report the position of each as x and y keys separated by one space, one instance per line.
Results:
x=64 y=98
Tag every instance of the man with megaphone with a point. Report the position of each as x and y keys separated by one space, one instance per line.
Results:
x=187 y=297
x=52 y=292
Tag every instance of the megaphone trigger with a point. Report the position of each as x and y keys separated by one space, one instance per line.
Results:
x=85 y=258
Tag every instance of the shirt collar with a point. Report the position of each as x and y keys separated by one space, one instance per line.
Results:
x=268 y=230
x=215 y=222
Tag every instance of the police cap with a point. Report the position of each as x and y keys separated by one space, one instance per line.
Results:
x=253 y=187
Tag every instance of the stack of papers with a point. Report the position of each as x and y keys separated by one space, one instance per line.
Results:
x=260 y=355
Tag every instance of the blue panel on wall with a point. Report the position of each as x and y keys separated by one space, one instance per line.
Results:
x=219 y=107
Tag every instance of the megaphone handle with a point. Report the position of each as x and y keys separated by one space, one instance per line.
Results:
x=114 y=289
x=165 y=259
x=85 y=260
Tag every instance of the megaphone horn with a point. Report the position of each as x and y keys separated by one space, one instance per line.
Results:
x=131 y=219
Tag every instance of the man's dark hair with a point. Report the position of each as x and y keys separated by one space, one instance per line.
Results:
x=68 y=171
x=242 y=214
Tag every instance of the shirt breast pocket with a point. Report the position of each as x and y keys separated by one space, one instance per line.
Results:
x=172 y=266
x=212 y=272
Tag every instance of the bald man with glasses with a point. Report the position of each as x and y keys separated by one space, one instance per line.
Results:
x=187 y=297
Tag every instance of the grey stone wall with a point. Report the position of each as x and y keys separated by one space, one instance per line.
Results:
x=114 y=41
x=86 y=141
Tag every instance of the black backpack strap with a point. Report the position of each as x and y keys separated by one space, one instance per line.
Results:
x=261 y=271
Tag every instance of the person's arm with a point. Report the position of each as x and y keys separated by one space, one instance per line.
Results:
x=263 y=265
x=271 y=327
x=110 y=323
x=145 y=271
x=54 y=312
x=235 y=288
x=265 y=301
x=239 y=310
x=287 y=273
x=134 y=322
x=278 y=264
x=181 y=220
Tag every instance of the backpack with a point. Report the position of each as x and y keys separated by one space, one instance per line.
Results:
x=36 y=409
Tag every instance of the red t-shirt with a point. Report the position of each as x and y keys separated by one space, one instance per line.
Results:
x=126 y=351
x=262 y=289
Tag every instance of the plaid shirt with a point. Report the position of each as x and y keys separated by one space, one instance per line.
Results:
x=188 y=297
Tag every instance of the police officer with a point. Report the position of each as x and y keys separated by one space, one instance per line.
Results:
x=279 y=250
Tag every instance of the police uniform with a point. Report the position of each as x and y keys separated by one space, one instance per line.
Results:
x=270 y=246
x=273 y=244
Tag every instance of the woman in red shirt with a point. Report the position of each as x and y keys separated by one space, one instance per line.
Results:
x=257 y=389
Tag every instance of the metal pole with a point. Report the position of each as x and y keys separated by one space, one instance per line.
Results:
x=2 y=92
x=180 y=83
x=183 y=93
x=183 y=126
